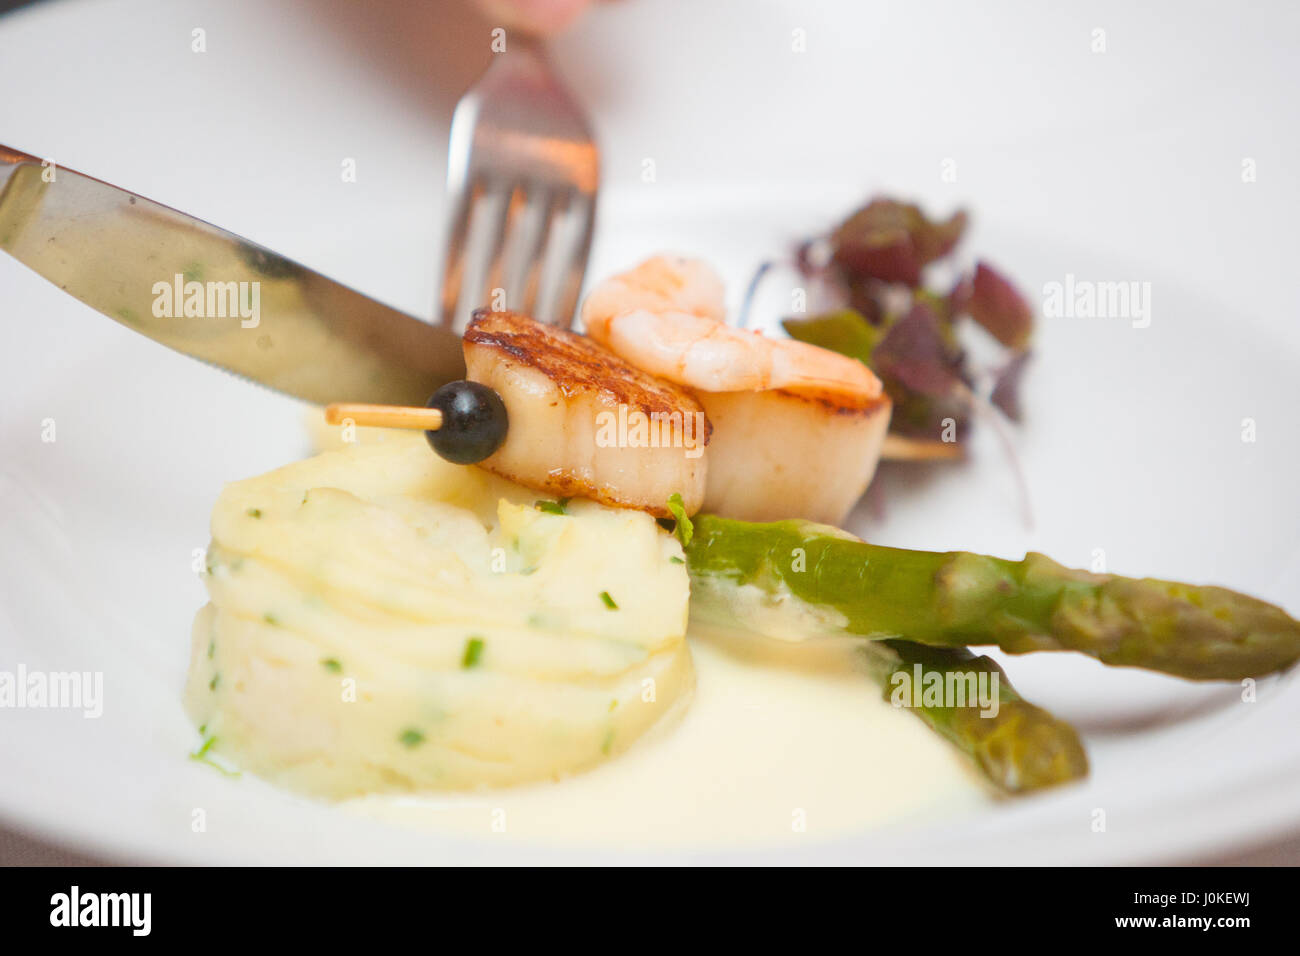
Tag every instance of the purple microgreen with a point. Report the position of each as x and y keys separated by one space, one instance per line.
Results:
x=893 y=241
x=915 y=353
x=1006 y=387
x=997 y=305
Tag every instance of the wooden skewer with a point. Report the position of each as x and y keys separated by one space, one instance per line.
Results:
x=384 y=416
x=895 y=448
x=898 y=448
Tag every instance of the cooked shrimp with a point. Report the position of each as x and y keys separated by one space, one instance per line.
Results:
x=667 y=317
x=797 y=429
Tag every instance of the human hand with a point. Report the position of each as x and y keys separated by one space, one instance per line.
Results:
x=534 y=16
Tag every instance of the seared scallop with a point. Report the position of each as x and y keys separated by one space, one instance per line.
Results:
x=799 y=428
x=777 y=454
x=584 y=422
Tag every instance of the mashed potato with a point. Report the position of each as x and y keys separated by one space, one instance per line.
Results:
x=381 y=620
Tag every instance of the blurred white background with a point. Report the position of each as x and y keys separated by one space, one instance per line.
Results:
x=1141 y=145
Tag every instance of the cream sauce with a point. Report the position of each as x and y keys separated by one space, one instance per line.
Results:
x=781 y=743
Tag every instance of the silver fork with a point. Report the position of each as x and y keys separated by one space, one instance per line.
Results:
x=522 y=174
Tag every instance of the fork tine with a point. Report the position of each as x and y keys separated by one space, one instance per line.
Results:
x=535 y=255
x=566 y=304
x=505 y=225
x=454 y=256
x=518 y=131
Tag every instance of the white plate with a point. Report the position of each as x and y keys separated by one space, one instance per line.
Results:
x=1133 y=443
x=1121 y=453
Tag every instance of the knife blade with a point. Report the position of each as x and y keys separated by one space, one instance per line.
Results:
x=213 y=295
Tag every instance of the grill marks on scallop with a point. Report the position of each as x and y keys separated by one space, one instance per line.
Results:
x=570 y=401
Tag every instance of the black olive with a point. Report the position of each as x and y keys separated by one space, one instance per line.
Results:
x=473 y=422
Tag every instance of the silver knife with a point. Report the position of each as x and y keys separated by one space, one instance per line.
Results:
x=212 y=295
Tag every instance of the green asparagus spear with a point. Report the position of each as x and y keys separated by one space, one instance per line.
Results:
x=951 y=599
x=1018 y=746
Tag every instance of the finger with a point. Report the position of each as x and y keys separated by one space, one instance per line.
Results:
x=534 y=16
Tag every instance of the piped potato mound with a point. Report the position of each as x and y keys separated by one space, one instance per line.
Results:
x=381 y=620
